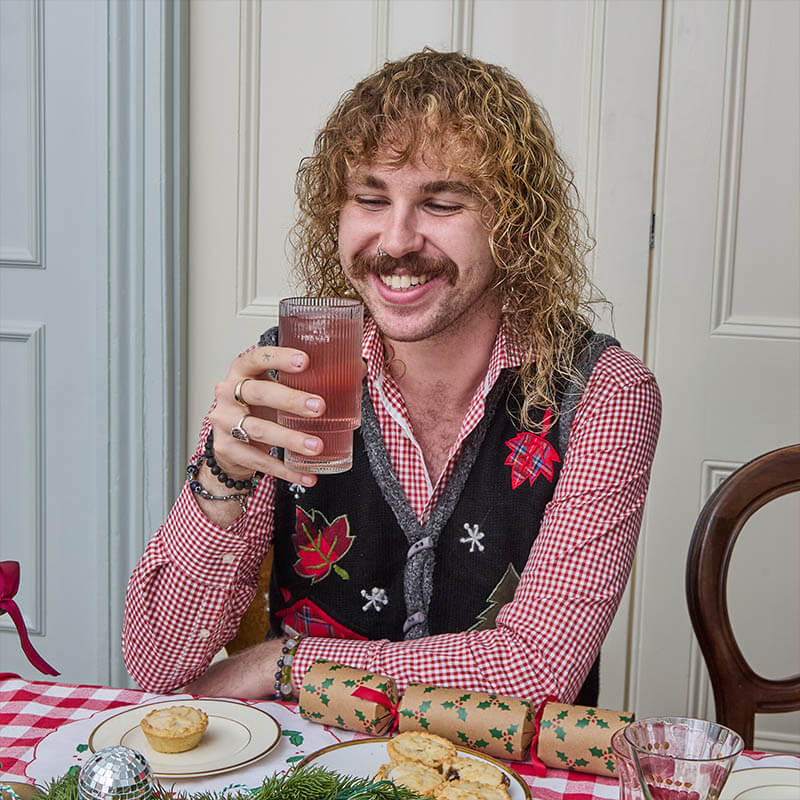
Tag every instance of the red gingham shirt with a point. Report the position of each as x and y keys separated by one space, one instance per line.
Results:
x=195 y=580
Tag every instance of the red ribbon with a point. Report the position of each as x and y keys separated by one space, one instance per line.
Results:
x=9 y=583
x=538 y=767
x=382 y=699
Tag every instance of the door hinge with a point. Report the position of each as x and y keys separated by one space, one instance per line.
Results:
x=652 y=229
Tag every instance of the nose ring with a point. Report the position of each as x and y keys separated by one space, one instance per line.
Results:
x=379 y=251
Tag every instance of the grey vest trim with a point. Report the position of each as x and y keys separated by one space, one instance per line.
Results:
x=572 y=395
x=421 y=557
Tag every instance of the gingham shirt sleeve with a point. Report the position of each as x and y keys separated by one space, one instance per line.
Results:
x=191 y=587
x=547 y=638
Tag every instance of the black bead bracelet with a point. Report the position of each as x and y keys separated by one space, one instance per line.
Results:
x=245 y=487
x=248 y=483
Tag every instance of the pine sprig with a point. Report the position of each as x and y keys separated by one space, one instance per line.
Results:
x=308 y=783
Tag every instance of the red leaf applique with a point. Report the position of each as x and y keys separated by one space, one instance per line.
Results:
x=320 y=544
x=531 y=455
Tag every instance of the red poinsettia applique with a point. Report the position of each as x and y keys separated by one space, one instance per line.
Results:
x=531 y=455
x=320 y=544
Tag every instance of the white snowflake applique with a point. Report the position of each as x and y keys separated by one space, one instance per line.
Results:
x=473 y=537
x=376 y=599
x=296 y=489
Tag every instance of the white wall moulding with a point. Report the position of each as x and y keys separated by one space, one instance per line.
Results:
x=21 y=134
x=381 y=26
x=752 y=141
x=249 y=303
x=147 y=145
x=712 y=477
x=593 y=123
x=22 y=469
x=462 y=21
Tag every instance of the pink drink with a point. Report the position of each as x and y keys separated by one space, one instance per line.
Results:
x=329 y=330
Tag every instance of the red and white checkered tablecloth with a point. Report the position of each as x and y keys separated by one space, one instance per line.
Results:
x=47 y=725
x=29 y=711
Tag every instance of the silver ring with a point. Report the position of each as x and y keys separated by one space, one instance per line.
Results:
x=379 y=251
x=237 y=392
x=238 y=431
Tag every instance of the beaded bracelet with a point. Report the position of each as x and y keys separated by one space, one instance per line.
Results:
x=283 y=676
x=249 y=483
x=198 y=488
x=193 y=468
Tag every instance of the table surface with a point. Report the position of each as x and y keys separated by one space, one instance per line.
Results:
x=44 y=729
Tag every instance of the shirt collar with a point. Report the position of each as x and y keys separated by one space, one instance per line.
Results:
x=372 y=351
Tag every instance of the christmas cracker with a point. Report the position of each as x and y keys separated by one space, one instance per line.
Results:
x=578 y=738
x=333 y=694
x=493 y=724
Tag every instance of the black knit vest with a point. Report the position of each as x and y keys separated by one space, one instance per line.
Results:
x=351 y=559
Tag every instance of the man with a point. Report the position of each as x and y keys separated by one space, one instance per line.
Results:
x=487 y=528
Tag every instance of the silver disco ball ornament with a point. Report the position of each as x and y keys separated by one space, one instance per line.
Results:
x=116 y=772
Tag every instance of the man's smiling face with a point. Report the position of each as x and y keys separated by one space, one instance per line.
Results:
x=438 y=270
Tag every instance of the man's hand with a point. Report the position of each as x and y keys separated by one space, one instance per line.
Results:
x=249 y=675
x=263 y=397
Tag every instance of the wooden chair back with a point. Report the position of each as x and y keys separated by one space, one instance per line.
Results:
x=739 y=692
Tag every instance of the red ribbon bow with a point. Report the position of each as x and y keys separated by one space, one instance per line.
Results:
x=382 y=699
x=9 y=583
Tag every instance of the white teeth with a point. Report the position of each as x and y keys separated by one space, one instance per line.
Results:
x=402 y=282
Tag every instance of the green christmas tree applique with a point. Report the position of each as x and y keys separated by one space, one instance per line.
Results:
x=502 y=593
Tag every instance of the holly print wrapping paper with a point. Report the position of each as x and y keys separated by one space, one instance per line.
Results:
x=579 y=738
x=490 y=723
x=333 y=694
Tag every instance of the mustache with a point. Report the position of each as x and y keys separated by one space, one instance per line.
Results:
x=414 y=264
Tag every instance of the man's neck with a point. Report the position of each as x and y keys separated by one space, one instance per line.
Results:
x=438 y=377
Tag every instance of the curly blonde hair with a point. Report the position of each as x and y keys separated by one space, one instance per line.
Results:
x=478 y=120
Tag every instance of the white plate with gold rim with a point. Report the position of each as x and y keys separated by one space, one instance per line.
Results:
x=238 y=734
x=363 y=757
x=763 y=783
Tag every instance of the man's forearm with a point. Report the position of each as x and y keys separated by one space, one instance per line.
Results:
x=187 y=594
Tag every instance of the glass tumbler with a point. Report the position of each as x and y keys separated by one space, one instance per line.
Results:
x=329 y=331
x=677 y=758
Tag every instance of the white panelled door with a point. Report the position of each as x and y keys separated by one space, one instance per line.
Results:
x=91 y=247
x=724 y=339
x=266 y=74
x=53 y=339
